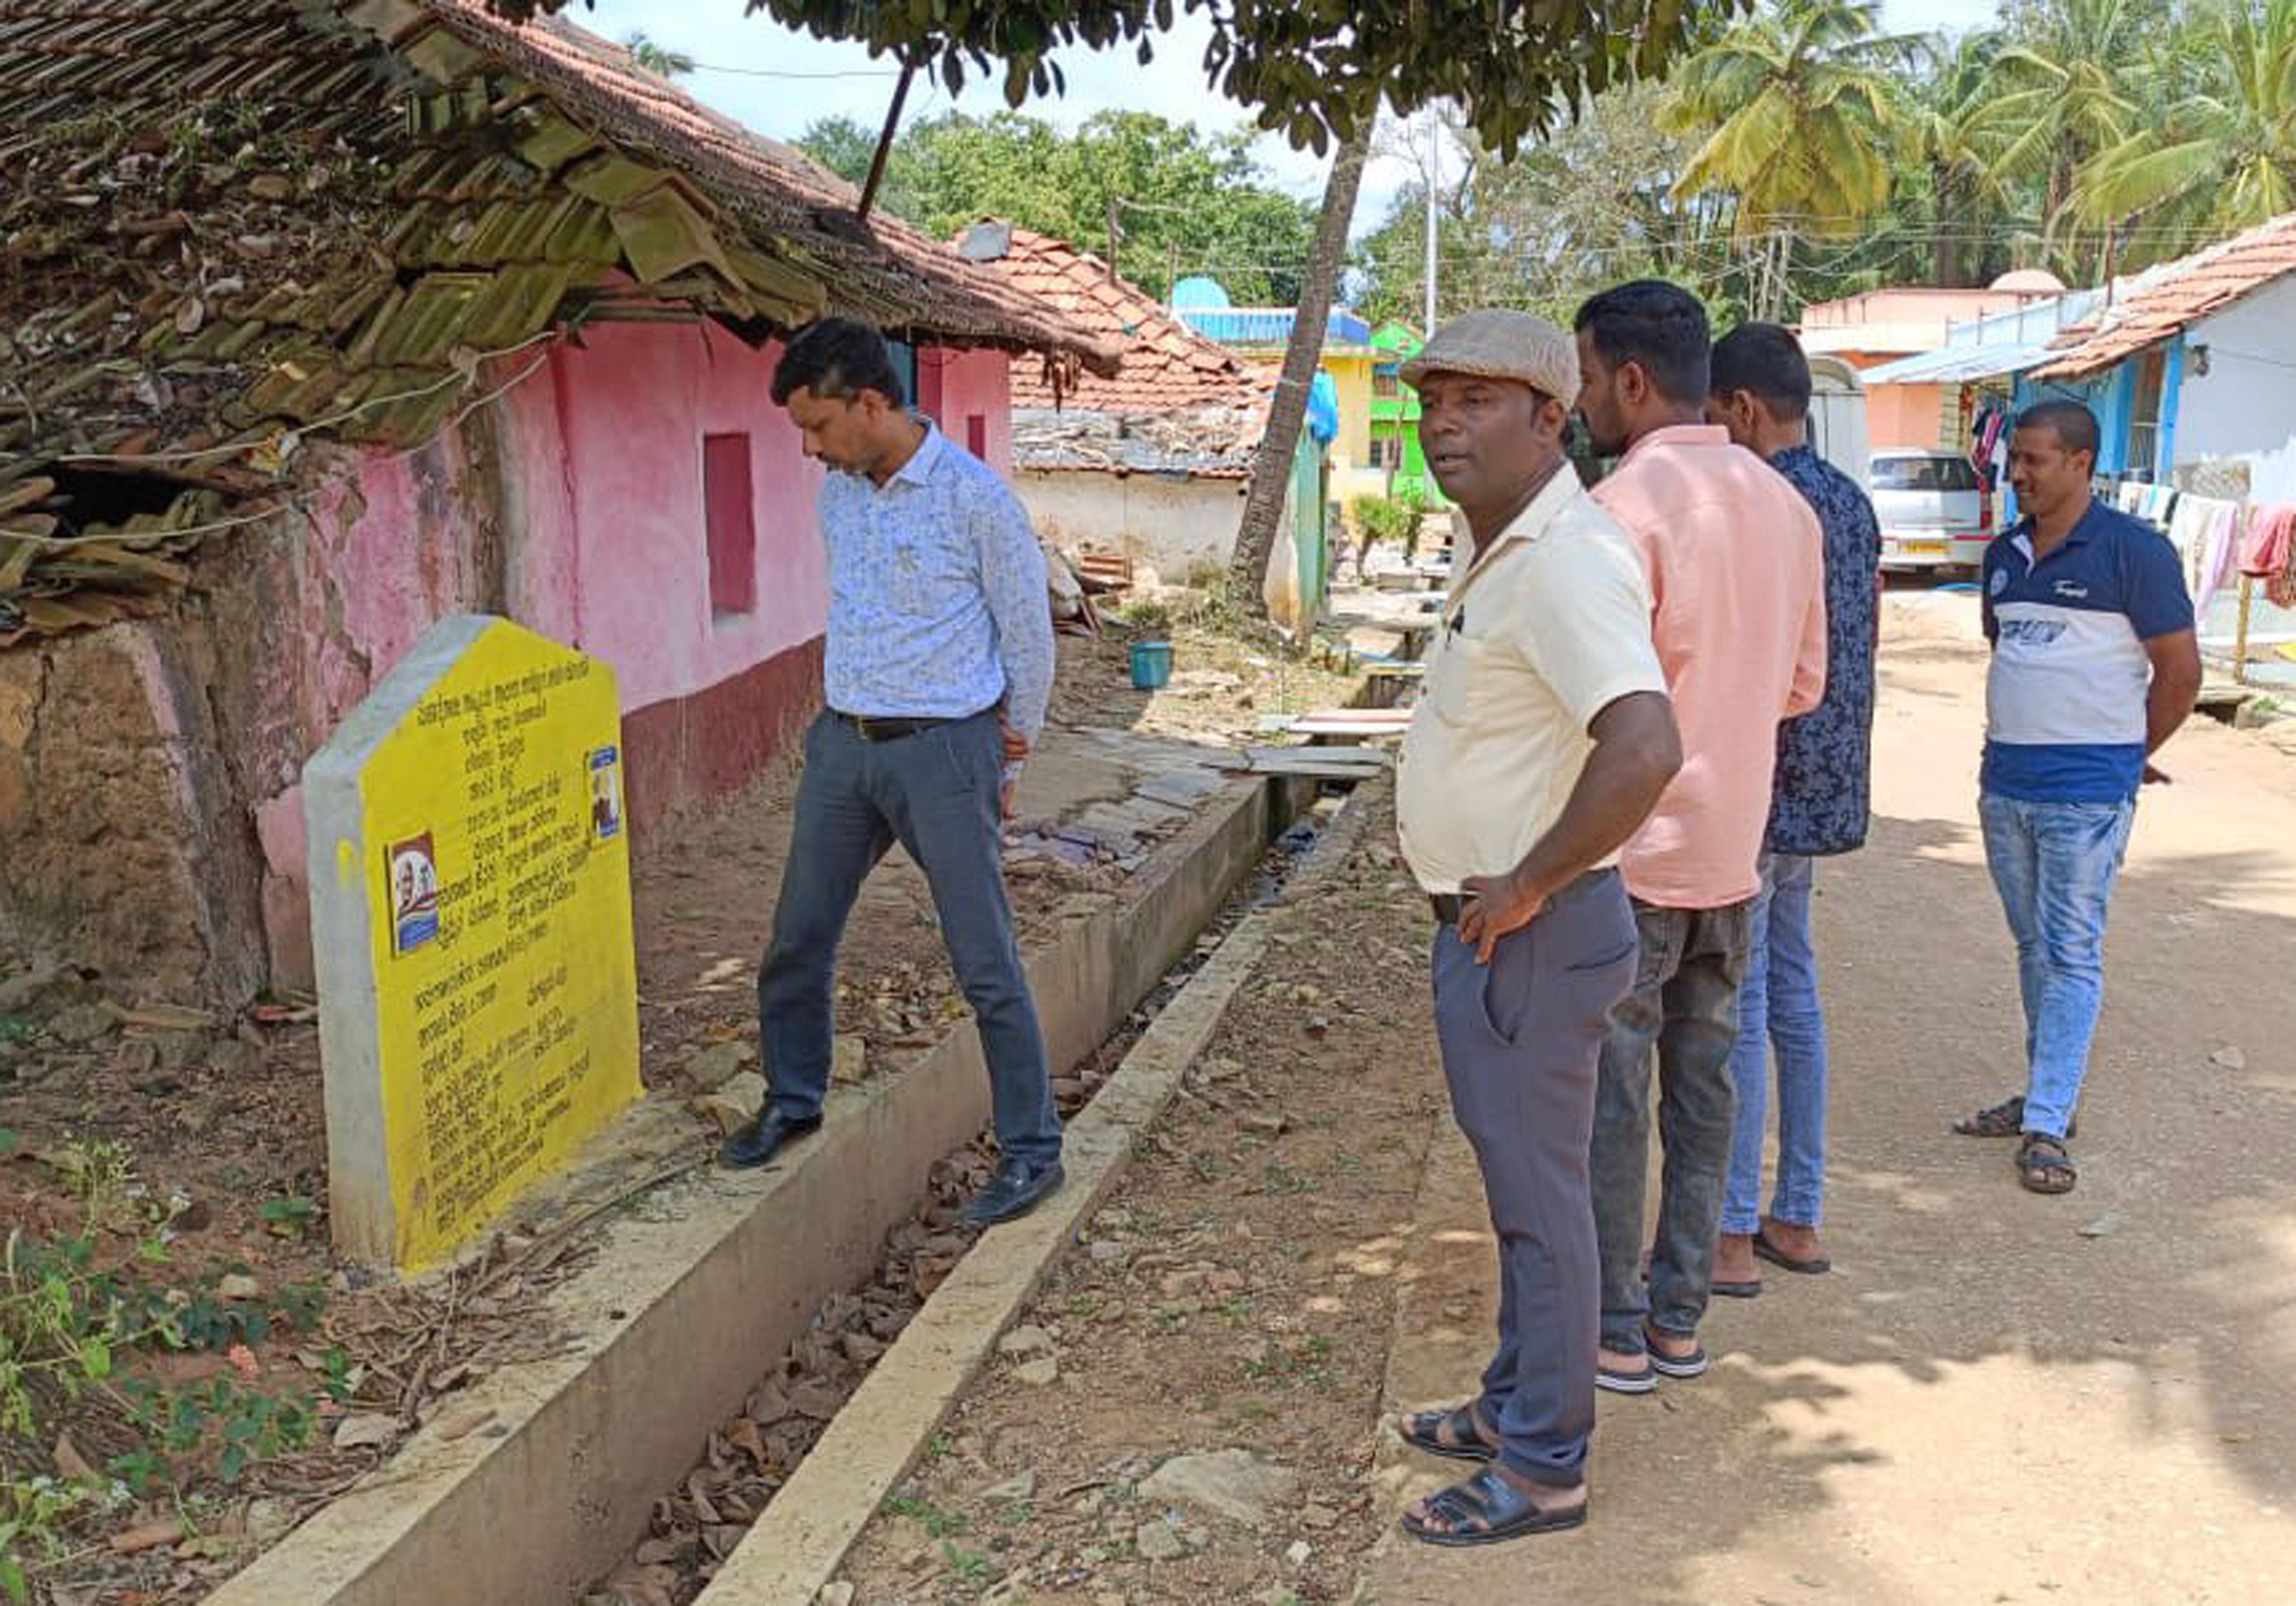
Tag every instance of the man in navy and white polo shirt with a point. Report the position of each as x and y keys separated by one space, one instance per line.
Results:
x=2095 y=666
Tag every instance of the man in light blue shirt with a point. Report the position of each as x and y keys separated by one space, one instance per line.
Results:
x=938 y=669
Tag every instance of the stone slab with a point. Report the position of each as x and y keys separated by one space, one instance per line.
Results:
x=470 y=884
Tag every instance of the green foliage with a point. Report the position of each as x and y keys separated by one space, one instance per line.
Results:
x=77 y=1311
x=1151 y=619
x=1393 y=519
x=1312 y=71
x=1808 y=154
x=290 y=1218
x=656 y=60
x=1185 y=200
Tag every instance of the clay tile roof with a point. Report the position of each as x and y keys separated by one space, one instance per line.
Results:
x=782 y=187
x=228 y=227
x=1167 y=367
x=2162 y=302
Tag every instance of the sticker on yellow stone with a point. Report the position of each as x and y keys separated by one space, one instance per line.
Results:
x=478 y=994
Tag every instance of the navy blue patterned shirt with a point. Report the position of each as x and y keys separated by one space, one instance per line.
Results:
x=1824 y=791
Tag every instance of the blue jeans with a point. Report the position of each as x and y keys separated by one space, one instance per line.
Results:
x=937 y=793
x=1778 y=1013
x=2053 y=865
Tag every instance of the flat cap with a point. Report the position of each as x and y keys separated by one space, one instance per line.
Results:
x=1498 y=344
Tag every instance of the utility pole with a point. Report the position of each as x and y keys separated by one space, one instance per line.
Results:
x=1434 y=175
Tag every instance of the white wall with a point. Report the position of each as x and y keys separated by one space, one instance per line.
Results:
x=1170 y=525
x=2245 y=406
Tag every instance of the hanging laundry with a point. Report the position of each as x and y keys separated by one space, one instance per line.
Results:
x=2195 y=519
x=2222 y=552
x=2188 y=531
x=2267 y=552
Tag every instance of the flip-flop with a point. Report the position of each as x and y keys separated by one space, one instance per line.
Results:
x=1693 y=1364
x=1616 y=1381
x=1503 y=1511
x=1738 y=1290
x=1768 y=1249
x=1420 y=1429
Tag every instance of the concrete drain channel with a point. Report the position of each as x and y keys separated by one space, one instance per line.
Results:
x=697 y=1525
x=656 y=1461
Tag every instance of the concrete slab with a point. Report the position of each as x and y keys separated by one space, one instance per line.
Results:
x=701 y=1282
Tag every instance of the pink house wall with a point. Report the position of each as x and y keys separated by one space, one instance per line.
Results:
x=632 y=405
x=575 y=506
x=954 y=387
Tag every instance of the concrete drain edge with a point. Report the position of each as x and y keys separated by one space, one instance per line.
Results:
x=695 y=1284
x=798 y=1544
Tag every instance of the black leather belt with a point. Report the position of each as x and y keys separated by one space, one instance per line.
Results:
x=1450 y=907
x=872 y=727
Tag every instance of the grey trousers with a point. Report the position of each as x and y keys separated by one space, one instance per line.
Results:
x=1519 y=1039
x=936 y=793
x=1684 y=1003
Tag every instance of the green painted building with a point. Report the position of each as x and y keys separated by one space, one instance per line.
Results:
x=1395 y=417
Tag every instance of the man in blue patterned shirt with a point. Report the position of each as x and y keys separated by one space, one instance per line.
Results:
x=1760 y=389
x=939 y=667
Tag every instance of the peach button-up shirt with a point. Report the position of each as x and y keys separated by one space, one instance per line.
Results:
x=1737 y=575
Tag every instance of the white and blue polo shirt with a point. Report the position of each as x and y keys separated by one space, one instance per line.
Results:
x=2064 y=702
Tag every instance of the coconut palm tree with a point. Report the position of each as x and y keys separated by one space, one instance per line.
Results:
x=2074 y=80
x=1271 y=468
x=1795 y=105
x=1945 y=162
x=2223 y=157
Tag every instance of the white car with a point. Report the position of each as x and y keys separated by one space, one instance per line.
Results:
x=1932 y=507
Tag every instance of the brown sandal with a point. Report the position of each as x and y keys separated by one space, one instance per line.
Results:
x=2044 y=1167
x=2004 y=1119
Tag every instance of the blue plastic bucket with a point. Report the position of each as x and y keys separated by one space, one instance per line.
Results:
x=1152 y=665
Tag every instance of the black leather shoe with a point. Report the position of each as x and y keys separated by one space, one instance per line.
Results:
x=1017 y=1188
x=762 y=1139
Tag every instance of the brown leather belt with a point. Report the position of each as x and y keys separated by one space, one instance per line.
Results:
x=871 y=728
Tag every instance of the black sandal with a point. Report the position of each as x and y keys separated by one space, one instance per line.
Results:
x=1486 y=1509
x=2044 y=1167
x=1427 y=1430
x=2004 y=1119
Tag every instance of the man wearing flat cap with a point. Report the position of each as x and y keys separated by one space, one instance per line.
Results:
x=1543 y=737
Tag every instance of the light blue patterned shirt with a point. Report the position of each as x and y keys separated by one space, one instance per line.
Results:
x=936 y=600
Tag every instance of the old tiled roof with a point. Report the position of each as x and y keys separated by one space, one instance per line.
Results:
x=2164 y=301
x=228 y=226
x=1168 y=366
x=1205 y=443
x=1179 y=404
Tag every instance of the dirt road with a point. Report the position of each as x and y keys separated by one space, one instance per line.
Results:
x=1995 y=1397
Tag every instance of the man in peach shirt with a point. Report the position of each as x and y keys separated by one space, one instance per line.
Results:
x=1738 y=614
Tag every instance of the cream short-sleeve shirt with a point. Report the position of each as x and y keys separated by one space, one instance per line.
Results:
x=1545 y=629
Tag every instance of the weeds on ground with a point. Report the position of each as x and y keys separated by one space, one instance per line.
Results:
x=82 y=1314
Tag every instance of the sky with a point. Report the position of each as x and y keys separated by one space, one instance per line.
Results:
x=778 y=81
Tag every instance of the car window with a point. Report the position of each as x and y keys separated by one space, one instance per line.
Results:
x=1923 y=474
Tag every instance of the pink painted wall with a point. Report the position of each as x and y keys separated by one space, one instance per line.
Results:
x=632 y=405
x=580 y=512
x=1903 y=415
x=953 y=386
